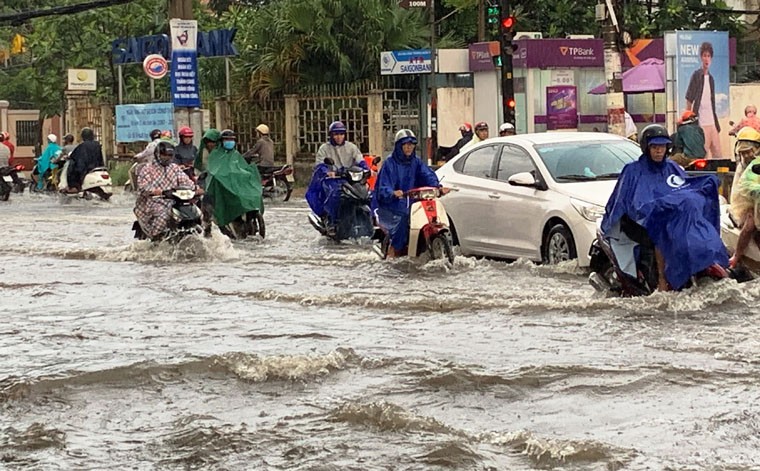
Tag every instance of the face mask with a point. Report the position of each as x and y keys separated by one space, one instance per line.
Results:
x=229 y=145
x=164 y=160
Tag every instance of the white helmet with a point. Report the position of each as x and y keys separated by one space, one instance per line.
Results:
x=405 y=135
x=52 y=137
x=506 y=127
x=263 y=128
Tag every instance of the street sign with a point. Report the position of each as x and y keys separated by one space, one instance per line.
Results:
x=413 y=61
x=135 y=122
x=82 y=79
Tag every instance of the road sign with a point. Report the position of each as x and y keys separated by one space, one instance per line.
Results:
x=414 y=4
x=413 y=61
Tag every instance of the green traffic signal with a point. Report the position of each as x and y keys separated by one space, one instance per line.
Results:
x=493 y=15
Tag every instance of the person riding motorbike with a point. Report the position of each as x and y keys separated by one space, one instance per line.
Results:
x=334 y=156
x=147 y=154
x=85 y=157
x=6 y=141
x=465 y=130
x=743 y=202
x=401 y=171
x=44 y=162
x=481 y=134
x=507 y=129
x=262 y=152
x=233 y=187
x=185 y=152
x=208 y=143
x=657 y=206
x=161 y=174
x=688 y=140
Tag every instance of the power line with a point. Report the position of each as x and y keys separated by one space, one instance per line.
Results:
x=19 y=18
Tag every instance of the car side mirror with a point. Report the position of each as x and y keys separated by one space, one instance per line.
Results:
x=522 y=179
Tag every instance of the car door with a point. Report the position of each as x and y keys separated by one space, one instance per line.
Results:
x=468 y=202
x=519 y=215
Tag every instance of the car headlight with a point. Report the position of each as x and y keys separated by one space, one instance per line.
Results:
x=590 y=212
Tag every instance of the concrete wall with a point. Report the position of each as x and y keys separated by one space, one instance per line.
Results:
x=455 y=106
x=487 y=104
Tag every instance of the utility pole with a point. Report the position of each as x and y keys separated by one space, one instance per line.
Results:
x=481 y=20
x=613 y=71
x=182 y=9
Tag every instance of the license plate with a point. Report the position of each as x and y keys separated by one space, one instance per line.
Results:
x=7 y=178
x=289 y=177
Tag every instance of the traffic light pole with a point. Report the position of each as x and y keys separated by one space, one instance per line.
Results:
x=506 y=34
x=612 y=69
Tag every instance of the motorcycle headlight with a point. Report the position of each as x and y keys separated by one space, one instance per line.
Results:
x=590 y=212
x=355 y=176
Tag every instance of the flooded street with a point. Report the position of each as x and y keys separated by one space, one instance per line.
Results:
x=293 y=353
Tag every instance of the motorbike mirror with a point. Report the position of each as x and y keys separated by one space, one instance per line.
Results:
x=329 y=161
x=522 y=179
x=376 y=160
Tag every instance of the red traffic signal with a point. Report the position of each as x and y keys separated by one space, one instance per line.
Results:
x=508 y=22
x=510 y=103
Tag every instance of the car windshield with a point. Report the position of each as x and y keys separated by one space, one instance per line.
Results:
x=587 y=160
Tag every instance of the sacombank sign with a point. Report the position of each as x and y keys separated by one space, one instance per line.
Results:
x=216 y=43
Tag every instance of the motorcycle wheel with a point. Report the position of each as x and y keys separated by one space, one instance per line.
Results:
x=288 y=188
x=258 y=226
x=441 y=247
x=4 y=194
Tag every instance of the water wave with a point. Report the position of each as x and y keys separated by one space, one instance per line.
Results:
x=245 y=366
x=388 y=417
x=549 y=452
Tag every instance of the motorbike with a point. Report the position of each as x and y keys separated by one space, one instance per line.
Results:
x=186 y=217
x=354 y=216
x=246 y=225
x=97 y=182
x=10 y=182
x=428 y=227
x=52 y=177
x=277 y=183
x=608 y=277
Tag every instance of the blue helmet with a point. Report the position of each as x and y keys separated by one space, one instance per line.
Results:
x=336 y=127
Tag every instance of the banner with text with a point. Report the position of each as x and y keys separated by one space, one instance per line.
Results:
x=184 y=70
x=135 y=122
x=561 y=108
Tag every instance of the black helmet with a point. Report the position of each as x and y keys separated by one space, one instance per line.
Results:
x=87 y=134
x=653 y=134
x=68 y=138
x=228 y=134
x=155 y=134
x=164 y=147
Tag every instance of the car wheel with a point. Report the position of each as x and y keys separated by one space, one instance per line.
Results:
x=559 y=245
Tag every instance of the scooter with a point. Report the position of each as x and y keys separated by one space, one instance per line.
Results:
x=608 y=277
x=428 y=227
x=246 y=225
x=186 y=217
x=97 y=182
x=277 y=183
x=354 y=216
x=10 y=182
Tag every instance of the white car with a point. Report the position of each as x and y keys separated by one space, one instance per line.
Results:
x=536 y=196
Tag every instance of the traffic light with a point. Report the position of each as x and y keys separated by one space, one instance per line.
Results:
x=493 y=13
x=507 y=24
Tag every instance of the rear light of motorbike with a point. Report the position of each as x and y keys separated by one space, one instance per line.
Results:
x=105 y=176
x=19 y=167
x=700 y=164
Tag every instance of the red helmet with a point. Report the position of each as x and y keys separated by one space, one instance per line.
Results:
x=185 y=132
x=466 y=127
x=481 y=125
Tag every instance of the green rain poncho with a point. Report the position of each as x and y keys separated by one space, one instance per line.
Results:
x=211 y=135
x=234 y=185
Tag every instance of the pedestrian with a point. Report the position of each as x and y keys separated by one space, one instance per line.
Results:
x=507 y=129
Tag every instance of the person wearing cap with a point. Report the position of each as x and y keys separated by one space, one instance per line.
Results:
x=44 y=163
x=263 y=151
x=481 y=134
x=688 y=140
x=507 y=129
x=466 y=131
x=401 y=171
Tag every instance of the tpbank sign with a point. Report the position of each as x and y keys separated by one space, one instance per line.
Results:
x=413 y=61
